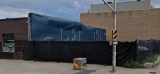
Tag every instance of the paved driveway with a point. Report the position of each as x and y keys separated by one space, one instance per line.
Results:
x=31 y=67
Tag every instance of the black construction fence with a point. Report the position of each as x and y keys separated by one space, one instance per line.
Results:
x=95 y=52
x=146 y=48
x=66 y=51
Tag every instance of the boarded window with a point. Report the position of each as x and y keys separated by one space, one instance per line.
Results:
x=8 y=43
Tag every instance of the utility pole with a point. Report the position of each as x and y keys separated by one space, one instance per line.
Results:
x=114 y=42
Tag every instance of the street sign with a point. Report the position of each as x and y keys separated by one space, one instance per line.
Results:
x=114 y=49
x=115 y=43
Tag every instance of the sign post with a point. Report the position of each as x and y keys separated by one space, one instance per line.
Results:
x=114 y=43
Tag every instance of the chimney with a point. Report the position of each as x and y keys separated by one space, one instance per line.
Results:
x=138 y=0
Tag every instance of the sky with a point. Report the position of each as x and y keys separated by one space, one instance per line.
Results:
x=66 y=9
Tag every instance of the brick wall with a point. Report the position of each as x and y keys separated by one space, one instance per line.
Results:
x=0 y=46
x=6 y=55
x=16 y=26
x=11 y=55
x=131 y=25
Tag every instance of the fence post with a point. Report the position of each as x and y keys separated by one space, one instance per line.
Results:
x=61 y=34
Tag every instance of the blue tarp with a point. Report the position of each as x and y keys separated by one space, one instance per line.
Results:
x=44 y=27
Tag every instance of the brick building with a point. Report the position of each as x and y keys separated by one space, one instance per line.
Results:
x=131 y=25
x=12 y=30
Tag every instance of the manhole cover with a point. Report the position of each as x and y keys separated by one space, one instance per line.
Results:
x=153 y=73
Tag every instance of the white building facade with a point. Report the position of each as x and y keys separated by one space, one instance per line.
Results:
x=124 y=6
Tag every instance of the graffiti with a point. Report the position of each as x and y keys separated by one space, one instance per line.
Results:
x=147 y=48
x=142 y=48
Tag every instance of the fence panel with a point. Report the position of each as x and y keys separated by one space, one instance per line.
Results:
x=65 y=51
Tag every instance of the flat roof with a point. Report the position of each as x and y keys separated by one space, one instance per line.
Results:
x=14 y=18
x=128 y=2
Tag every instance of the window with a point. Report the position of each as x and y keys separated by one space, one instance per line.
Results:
x=8 y=43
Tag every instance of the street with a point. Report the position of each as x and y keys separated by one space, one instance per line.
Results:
x=31 y=67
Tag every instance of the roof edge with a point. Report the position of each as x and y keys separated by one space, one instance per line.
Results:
x=152 y=5
x=14 y=18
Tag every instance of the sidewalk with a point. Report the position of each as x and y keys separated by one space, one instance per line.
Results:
x=121 y=70
x=31 y=67
x=158 y=69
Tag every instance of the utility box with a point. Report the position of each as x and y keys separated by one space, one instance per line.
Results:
x=79 y=63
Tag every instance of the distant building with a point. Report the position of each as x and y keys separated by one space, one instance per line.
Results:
x=124 y=6
x=11 y=31
x=14 y=32
x=132 y=24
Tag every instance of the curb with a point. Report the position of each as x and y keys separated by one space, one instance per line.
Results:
x=150 y=65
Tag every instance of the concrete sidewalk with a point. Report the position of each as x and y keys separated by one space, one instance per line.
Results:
x=31 y=67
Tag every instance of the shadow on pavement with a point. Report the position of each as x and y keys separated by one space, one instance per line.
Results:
x=85 y=72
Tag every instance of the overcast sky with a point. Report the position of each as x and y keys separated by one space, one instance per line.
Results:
x=67 y=9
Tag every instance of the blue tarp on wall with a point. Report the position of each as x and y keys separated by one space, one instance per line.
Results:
x=56 y=29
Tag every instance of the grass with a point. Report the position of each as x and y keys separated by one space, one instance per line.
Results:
x=136 y=64
x=133 y=64
x=152 y=58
